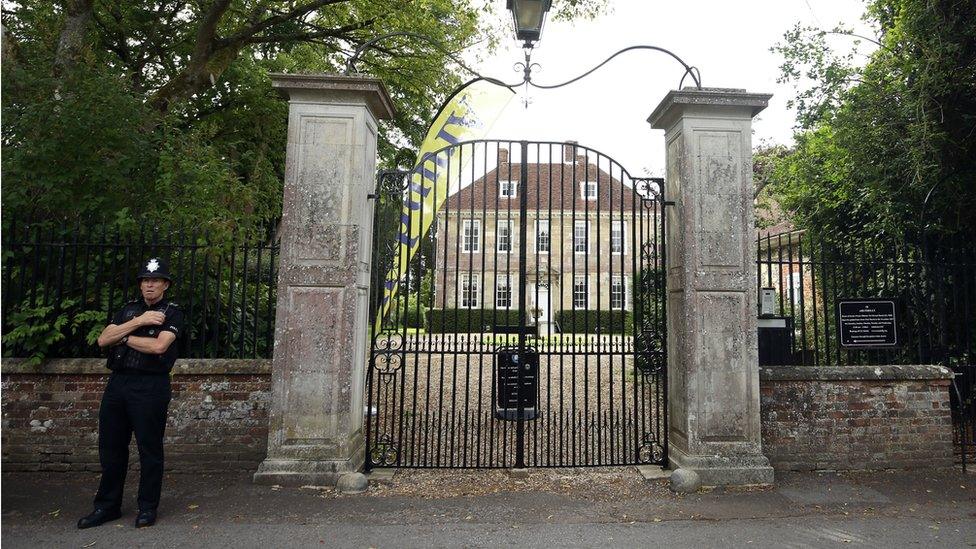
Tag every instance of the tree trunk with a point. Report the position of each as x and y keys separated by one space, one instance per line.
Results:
x=198 y=76
x=72 y=39
x=206 y=63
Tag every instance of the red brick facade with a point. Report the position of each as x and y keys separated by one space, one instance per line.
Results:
x=556 y=206
x=551 y=185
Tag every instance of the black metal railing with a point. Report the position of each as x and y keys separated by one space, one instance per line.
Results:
x=518 y=318
x=933 y=287
x=61 y=285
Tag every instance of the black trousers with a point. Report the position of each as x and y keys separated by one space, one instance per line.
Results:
x=132 y=403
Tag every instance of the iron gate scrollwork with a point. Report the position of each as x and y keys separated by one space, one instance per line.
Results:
x=550 y=253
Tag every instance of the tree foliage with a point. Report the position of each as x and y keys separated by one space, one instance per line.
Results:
x=165 y=106
x=163 y=110
x=888 y=150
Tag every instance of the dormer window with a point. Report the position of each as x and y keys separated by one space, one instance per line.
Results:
x=507 y=189
x=588 y=190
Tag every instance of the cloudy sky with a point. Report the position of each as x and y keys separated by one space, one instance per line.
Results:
x=728 y=41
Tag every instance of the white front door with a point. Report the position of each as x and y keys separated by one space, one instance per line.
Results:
x=542 y=303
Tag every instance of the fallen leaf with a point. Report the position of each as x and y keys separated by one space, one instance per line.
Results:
x=192 y=506
x=657 y=519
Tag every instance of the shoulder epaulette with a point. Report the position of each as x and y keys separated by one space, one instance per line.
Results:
x=131 y=301
x=174 y=304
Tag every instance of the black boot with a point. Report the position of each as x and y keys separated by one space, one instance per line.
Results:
x=146 y=518
x=98 y=517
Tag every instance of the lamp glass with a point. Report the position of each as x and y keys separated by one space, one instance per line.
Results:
x=529 y=17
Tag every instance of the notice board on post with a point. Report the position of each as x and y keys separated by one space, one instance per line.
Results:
x=867 y=323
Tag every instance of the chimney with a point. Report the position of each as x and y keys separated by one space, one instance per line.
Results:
x=502 y=156
x=569 y=151
x=585 y=167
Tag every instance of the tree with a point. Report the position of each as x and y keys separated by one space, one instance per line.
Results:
x=113 y=110
x=110 y=106
x=886 y=151
x=765 y=159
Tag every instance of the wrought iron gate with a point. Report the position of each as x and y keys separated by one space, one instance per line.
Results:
x=527 y=328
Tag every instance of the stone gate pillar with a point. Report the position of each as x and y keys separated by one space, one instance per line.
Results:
x=713 y=367
x=316 y=410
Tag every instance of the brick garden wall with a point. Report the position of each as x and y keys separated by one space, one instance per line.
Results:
x=856 y=417
x=218 y=418
x=813 y=418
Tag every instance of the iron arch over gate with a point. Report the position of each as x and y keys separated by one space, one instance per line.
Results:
x=527 y=328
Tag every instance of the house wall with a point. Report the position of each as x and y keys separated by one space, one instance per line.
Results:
x=557 y=268
x=793 y=285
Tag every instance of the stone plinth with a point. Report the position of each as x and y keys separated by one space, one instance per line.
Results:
x=713 y=372
x=316 y=410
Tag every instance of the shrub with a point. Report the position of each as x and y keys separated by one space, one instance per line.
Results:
x=407 y=313
x=469 y=320
x=42 y=330
x=591 y=321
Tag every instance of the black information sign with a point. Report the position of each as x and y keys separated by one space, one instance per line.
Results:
x=517 y=387
x=867 y=323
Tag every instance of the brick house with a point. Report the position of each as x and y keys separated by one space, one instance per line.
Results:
x=782 y=267
x=580 y=226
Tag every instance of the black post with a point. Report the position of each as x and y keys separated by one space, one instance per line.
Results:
x=523 y=224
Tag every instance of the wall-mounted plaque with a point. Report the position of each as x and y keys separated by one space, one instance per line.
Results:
x=866 y=323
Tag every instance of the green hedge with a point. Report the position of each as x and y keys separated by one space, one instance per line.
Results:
x=469 y=320
x=570 y=321
x=409 y=313
x=593 y=321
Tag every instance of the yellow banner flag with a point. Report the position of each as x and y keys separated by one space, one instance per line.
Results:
x=467 y=115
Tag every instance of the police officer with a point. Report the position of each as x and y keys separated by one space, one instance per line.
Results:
x=142 y=349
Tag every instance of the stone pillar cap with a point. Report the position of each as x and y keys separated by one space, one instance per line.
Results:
x=374 y=90
x=662 y=116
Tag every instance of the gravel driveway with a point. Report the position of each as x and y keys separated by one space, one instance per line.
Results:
x=434 y=399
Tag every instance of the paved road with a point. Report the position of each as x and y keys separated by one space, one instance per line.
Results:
x=602 y=508
x=788 y=532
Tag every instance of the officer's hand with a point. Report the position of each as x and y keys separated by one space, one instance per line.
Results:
x=151 y=318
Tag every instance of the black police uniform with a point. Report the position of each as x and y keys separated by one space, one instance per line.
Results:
x=136 y=399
